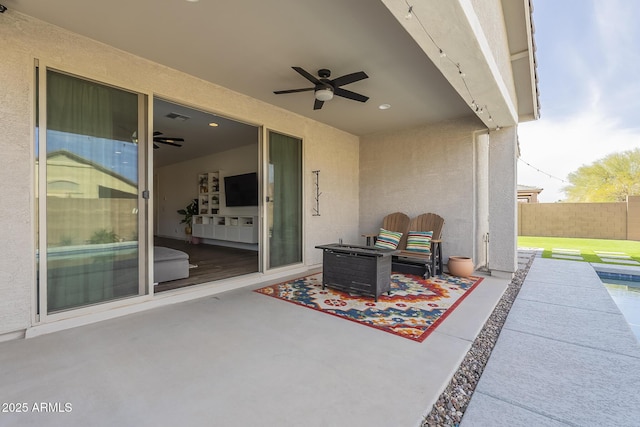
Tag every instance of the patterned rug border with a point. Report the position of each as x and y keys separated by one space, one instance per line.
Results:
x=421 y=338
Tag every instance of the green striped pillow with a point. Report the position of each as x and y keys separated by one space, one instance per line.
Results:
x=419 y=241
x=388 y=239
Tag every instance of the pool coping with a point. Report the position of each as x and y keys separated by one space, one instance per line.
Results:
x=617 y=272
x=564 y=337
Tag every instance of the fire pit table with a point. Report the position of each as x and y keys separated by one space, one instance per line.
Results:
x=357 y=269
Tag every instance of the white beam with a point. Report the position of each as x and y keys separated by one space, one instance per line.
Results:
x=454 y=27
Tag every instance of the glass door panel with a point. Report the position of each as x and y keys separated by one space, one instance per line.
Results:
x=284 y=201
x=92 y=248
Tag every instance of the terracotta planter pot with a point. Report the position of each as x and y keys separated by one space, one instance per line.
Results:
x=460 y=266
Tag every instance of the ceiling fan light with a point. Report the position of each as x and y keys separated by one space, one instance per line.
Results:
x=325 y=94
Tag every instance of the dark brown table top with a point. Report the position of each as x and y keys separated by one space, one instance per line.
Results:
x=357 y=249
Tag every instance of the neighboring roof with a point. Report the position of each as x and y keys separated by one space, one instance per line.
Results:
x=97 y=166
x=529 y=189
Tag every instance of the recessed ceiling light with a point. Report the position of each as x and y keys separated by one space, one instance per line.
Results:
x=213 y=124
x=193 y=1
x=384 y=106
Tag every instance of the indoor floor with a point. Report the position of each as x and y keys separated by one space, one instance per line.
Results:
x=208 y=263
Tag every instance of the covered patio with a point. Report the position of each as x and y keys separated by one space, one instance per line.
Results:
x=237 y=358
x=459 y=77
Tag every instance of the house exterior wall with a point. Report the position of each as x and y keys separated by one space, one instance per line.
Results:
x=334 y=152
x=482 y=199
x=503 y=146
x=425 y=169
x=339 y=183
x=17 y=261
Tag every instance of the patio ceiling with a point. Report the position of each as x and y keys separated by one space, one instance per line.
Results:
x=250 y=47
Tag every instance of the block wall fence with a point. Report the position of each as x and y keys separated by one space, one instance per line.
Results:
x=617 y=220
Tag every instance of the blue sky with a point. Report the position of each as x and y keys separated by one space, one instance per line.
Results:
x=588 y=55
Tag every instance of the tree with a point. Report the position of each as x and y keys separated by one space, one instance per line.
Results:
x=610 y=179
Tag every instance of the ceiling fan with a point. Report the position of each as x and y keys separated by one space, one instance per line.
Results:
x=165 y=140
x=325 y=88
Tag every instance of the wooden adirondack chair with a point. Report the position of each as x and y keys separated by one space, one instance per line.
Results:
x=432 y=261
x=396 y=221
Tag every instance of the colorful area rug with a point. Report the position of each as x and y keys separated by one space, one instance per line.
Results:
x=413 y=310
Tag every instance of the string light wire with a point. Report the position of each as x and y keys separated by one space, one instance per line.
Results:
x=477 y=108
x=542 y=172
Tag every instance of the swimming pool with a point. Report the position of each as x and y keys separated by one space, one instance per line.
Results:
x=625 y=291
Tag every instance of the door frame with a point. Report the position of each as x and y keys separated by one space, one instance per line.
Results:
x=40 y=313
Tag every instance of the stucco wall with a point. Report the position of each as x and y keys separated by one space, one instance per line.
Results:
x=503 y=201
x=339 y=166
x=17 y=259
x=24 y=38
x=425 y=169
x=482 y=199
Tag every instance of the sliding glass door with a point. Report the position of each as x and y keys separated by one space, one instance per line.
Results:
x=88 y=159
x=284 y=200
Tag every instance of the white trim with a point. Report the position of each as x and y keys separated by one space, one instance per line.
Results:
x=145 y=218
x=532 y=61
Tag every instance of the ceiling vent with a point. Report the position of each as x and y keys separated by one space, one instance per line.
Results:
x=176 y=116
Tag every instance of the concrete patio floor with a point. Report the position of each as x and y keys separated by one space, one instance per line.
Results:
x=565 y=356
x=236 y=359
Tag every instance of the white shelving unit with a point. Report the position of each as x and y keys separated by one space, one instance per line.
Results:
x=209 y=224
x=242 y=229
x=209 y=193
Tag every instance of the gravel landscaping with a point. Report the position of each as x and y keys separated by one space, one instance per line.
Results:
x=452 y=403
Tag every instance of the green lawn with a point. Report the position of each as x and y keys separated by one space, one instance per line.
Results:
x=587 y=247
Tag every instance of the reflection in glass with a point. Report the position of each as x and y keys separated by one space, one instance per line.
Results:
x=284 y=209
x=92 y=193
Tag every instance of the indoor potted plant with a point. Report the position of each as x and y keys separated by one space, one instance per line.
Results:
x=188 y=213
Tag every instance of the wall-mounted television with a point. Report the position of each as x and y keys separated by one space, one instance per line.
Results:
x=241 y=190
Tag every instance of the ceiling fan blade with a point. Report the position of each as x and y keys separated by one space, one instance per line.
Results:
x=350 y=95
x=307 y=76
x=278 y=92
x=318 y=104
x=168 y=139
x=349 y=78
x=156 y=133
x=155 y=146
x=173 y=144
